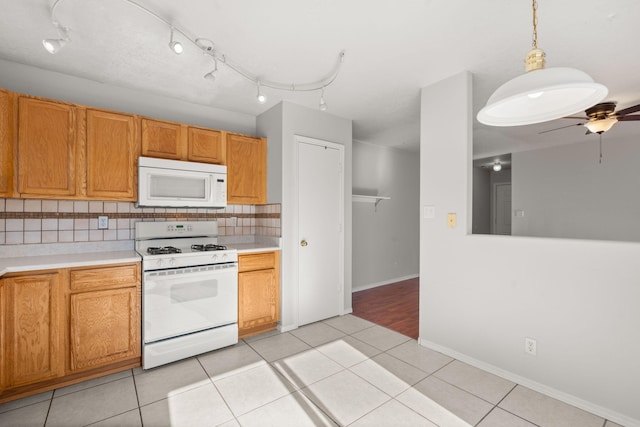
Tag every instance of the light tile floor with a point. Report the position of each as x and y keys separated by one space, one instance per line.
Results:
x=343 y=371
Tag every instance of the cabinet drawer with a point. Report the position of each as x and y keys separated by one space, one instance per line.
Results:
x=115 y=276
x=257 y=261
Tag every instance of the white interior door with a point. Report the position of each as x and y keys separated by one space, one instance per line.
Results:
x=503 y=209
x=320 y=235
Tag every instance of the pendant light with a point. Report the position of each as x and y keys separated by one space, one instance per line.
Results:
x=541 y=94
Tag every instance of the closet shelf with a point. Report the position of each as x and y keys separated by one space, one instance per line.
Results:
x=369 y=199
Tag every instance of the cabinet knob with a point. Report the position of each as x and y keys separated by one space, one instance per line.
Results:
x=303 y=243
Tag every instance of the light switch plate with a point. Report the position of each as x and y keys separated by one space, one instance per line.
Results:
x=429 y=212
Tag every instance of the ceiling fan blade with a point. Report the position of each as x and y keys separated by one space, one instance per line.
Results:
x=629 y=110
x=628 y=118
x=574 y=117
x=563 y=127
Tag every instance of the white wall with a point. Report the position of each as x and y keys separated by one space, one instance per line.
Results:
x=480 y=296
x=385 y=240
x=565 y=192
x=297 y=120
x=48 y=84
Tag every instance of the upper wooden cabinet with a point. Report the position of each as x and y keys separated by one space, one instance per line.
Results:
x=177 y=141
x=32 y=325
x=206 y=146
x=162 y=139
x=246 y=169
x=112 y=154
x=47 y=149
x=7 y=142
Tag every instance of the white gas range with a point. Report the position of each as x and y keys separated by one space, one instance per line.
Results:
x=189 y=290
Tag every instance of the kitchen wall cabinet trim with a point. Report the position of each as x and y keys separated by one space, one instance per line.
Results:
x=8 y=116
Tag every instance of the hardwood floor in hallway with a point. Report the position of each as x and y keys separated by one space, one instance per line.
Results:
x=394 y=306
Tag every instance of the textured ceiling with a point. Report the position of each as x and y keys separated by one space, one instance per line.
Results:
x=392 y=49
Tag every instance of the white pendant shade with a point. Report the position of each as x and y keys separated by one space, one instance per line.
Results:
x=541 y=95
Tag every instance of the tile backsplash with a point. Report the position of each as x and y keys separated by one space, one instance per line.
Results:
x=28 y=221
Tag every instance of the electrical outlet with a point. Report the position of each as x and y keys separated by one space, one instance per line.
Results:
x=530 y=346
x=103 y=222
x=451 y=220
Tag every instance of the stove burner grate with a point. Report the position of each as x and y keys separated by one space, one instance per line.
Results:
x=163 y=250
x=208 y=247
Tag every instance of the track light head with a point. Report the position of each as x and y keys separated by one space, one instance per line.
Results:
x=323 y=104
x=54 y=45
x=175 y=46
x=262 y=98
x=211 y=76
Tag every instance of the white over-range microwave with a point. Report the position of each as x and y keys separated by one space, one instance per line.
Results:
x=174 y=183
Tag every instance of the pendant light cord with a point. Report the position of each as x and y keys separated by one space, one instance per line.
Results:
x=535 y=23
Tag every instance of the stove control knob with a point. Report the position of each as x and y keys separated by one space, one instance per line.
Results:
x=214 y=257
x=172 y=261
x=159 y=263
x=224 y=257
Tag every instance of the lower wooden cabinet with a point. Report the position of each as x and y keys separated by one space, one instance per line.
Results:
x=60 y=327
x=32 y=320
x=104 y=316
x=258 y=292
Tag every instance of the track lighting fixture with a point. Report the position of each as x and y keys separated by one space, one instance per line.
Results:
x=206 y=46
x=323 y=104
x=211 y=75
x=54 y=45
x=175 y=46
x=261 y=96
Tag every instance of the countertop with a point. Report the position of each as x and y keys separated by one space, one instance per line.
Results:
x=253 y=247
x=46 y=262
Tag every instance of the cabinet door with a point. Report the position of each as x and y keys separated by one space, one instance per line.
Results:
x=165 y=140
x=47 y=148
x=246 y=169
x=32 y=322
x=206 y=146
x=258 y=300
x=112 y=155
x=7 y=141
x=104 y=327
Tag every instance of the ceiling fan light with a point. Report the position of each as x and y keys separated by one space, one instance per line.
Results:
x=602 y=125
x=54 y=45
x=541 y=95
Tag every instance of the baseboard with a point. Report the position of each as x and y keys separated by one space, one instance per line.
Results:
x=386 y=282
x=533 y=385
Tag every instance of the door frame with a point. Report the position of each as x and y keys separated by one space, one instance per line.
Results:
x=494 y=205
x=298 y=139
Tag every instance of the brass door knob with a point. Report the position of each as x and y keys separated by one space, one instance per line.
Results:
x=303 y=243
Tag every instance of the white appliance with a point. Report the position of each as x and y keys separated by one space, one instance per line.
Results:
x=174 y=183
x=189 y=290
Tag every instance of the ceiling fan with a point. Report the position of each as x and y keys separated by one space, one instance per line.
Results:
x=601 y=117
